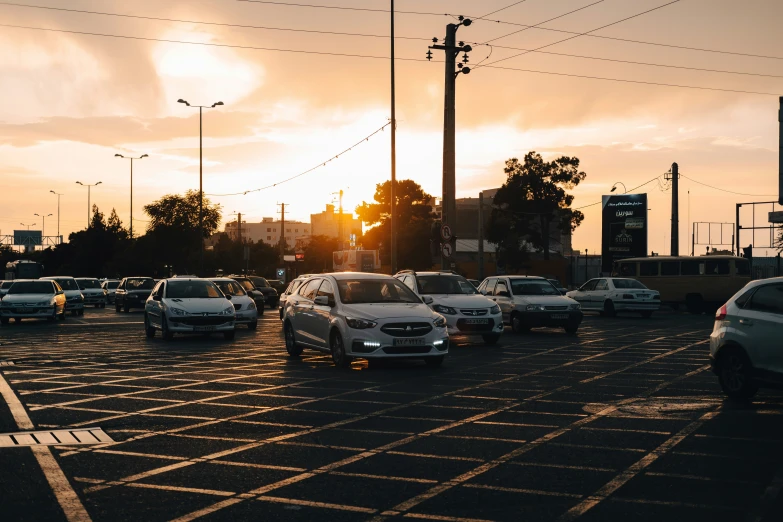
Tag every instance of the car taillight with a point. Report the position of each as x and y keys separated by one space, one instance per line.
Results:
x=721 y=314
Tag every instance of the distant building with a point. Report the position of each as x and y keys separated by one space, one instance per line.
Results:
x=269 y=231
x=327 y=223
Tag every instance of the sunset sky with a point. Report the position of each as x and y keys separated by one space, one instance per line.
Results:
x=71 y=101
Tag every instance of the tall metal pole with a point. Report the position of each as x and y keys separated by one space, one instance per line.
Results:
x=449 y=203
x=481 y=237
x=88 y=205
x=131 y=201
x=780 y=154
x=675 y=235
x=393 y=195
x=200 y=193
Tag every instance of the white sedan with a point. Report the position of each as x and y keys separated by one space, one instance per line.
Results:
x=609 y=295
x=246 y=310
x=188 y=306
x=363 y=315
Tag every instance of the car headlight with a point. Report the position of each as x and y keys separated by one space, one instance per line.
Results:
x=534 y=308
x=177 y=311
x=228 y=311
x=494 y=310
x=576 y=306
x=360 y=324
x=444 y=309
x=251 y=306
x=439 y=322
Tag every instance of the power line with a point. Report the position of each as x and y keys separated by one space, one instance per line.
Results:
x=729 y=191
x=320 y=165
x=375 y=57
x=638 y=187
x=544 y=22
x=342 y=8
x=504 y=8
x=587 y=32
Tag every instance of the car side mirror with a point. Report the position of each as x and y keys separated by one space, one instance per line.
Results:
x=156 y=298
x=60 y=292
x=321 y=300
x=228 y=297
x=503 y=293
x=427 y=300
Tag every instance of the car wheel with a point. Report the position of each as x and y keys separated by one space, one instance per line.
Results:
x=434 y=362
x=164 y=329
x=491 y=340
x=518 y=325
x=293 y=349
x=229 y=336
x=260 y=311
x=53 y=318
x=148 y=328
x=127 y=308
x=646 y=314
x=62 y=315
x=609 y=310
x=571 y=330
x=734 y=374
x=340 y=358
x=253 y=325
x=80 y=312
x=117 y=307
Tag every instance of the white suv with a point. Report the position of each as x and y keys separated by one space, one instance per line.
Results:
x=466 y=311
x=363 y=315
x=745 y=344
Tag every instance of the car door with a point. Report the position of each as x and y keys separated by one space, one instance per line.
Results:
x=502 y=296
x=762 y=321
x=582 y=295
x=597 y=296
x=487 y=288
x=304 y=323
x=154 y=306
x=119 y=295
x=322 y=314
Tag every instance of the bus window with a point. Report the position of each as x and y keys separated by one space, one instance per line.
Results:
x=648 y=268
x=717 y=267
x=743 y=266
x=670 y=268
x=690 y=268
x=628 y=269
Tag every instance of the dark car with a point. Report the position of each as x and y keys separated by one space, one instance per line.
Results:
x=133 y=293
x=560 y=288
x=277 y=285
x=254 y=293
x=262 y=285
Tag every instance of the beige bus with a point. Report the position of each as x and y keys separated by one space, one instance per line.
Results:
x=701 y=283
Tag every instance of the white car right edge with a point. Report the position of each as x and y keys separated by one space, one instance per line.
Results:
x=371 y=316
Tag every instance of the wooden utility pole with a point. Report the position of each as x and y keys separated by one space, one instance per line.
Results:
x=674 y=175
x=451 y=50
x=239 y=227
x=393 y=195
x=282 y=233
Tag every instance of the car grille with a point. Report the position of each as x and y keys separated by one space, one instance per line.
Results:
x=406 y=350
x=555 y=308
x=202 y=321
x=406 y=329
x=474 y=313
x=27 y=310
x=463 y=326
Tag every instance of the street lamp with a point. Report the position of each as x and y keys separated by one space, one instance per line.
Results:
x=28 y=226
x=58 y=211
x=614 y=187
x=131 y=186
x=43 y=226
x=200 y=174
x=88 y=197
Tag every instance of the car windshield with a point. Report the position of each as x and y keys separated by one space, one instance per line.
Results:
x=139 y=284
x=31 y=287
x=628 y=284
x=112 y=285
x=6 y=285
x=444 y=284
x=247 y=285
x=230 y=288
x=67 y=283
x=533 y=287
x=358 y=291
x=554 y=282
x=88 y=283
x=192 y=290
x=260 y=282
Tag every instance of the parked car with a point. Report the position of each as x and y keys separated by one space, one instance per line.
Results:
x=474 y=282
x=467 y=312
x=179 y=305
x=4 y=286
x=610 y=295
x=560 y=288
x=30 y=298
x=531 y=302
x=92 y=292
x=110 y=285
x=278 y=285
x=255 y=294
x=74 y=300
x=132 y=292
x=270 y=294
x=745 y=344
x=292 y=287
x=363 y=315
x=246 y=310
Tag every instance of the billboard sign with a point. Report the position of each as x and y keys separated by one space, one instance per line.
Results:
x=27 y=237
x=624 y=229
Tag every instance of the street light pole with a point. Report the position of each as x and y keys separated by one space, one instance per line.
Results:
x=58 y=212
x=200 y=175
x=43 y=226
x=28 y=226
x=614 y=187
x=88 y=197
x=131 y=186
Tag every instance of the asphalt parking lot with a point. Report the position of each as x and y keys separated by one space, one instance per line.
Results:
x=624 y=421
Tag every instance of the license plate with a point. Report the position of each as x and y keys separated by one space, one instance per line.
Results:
x=418 y=341
x=476 y=321
x=559 y=316
x=204 y=328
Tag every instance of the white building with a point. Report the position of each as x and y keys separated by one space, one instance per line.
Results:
x=270 y=230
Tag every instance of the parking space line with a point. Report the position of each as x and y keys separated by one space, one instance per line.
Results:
x=66 y=497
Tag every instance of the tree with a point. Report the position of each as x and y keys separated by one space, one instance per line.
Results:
x=90 y=252
x=318 y=255
x=181 y=212
x=414 y=224
x=532 y=198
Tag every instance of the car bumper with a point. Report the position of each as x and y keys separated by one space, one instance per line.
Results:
x=628 y=306
x=247 y=317
x=551 y=319
x=39 y=312
x=179 y=327
x=79 y=305
x=435 y=344
x=94 y=300
x=475 y=326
